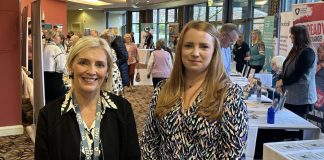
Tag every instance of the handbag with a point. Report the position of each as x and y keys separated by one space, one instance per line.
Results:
x=138 y=77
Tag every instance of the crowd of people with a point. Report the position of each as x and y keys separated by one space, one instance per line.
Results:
x=195 y=111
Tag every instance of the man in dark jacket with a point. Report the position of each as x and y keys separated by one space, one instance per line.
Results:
x=117 y=43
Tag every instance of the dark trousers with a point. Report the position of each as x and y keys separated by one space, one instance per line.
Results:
x=300 y=110
x=257 y=68
x=156 y=81
x=54 y=86
x=240 y=66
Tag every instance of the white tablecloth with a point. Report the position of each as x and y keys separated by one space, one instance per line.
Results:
x=284 y=119
x=294 y=150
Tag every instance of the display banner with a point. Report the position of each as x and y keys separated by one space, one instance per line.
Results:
x=285 y=44
x=173 y=30
x=268 y=41
x=146 y=27
x=311 y=15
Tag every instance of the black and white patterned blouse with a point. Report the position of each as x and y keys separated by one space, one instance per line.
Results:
x=189 y=136
x=105 y=102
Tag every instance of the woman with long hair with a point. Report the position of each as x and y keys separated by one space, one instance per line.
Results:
x=298 y=75
x=197 y=113
x=256 y=56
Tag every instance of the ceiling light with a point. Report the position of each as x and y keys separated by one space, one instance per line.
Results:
x=80 y=9
x=91 y=2
x=90 y=8
x=261 y=3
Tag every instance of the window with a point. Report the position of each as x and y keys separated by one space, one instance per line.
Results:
x=215 y=13
x=199 y=12
x=240 y=9
x=260 y=8
x=136 y=26
x=172 y=15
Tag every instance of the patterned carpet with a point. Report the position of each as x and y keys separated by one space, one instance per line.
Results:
x=21 y=147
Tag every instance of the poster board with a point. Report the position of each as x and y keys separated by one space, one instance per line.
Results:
x=268 y=41
x=286 y=23
x=311 y=15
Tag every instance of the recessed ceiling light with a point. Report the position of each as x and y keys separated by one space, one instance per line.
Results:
x=90 y=8
x=81 y=9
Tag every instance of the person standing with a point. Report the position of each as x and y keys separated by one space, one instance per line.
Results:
x=298 y=75
x=240 y=51
x=54 y=60
x=319 y=77
x=160 y=64
x=197 y=113
x=117 y=43
x=227 y=36
x=89 y=122
x=256 y=56
x=132 y=58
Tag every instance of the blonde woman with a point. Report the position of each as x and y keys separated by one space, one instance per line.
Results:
x=132 y=58
x=197 y=113
x=89 y=122
x=256 y=56
x=54 y=60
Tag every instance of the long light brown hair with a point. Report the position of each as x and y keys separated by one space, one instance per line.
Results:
x=214 y=85
x=258 y=36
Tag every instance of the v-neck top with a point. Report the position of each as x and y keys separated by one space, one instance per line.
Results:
x=186 y=135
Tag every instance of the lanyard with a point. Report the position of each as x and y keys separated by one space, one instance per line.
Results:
x=96 y=135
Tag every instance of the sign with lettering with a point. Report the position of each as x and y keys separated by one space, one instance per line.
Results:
x=311 y=15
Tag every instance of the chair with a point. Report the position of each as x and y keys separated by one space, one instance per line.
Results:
x=246 y=70
x=317 y=118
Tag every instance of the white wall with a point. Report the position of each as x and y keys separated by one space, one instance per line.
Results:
x=116 y=20
x=87 y=19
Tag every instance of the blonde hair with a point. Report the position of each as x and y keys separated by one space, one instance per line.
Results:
x=87 y=43
x=214 y=85
x=108 y=35
x=258 y=36
x=51 y=34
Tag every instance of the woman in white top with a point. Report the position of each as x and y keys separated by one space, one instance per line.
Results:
x=54 y=60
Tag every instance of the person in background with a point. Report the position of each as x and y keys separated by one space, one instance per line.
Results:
x=256 y=56
x=117 y=43
x=89 y=122
x=164 y=47
x=74 y=39
x=94 y=33
x=54 y=60
x=160 y=64
x=298 y=74
x=148 y=39
x=319 y=78
x=132 y=58
x=240 y=51
x=30 y=52
x=133 y=38
x=62 y=45
x=197 y=113
x=276 y=65
x=227 y=36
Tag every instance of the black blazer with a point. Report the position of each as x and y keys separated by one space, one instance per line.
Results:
x=122 y=56
x=58 y=136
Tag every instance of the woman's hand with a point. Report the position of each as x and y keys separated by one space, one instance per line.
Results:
x=279 y=85
x=247 y=58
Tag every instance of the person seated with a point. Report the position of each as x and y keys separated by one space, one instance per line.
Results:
x=276 y=65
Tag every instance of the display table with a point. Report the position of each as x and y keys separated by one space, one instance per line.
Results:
x=284 y=119
x=294 y=150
